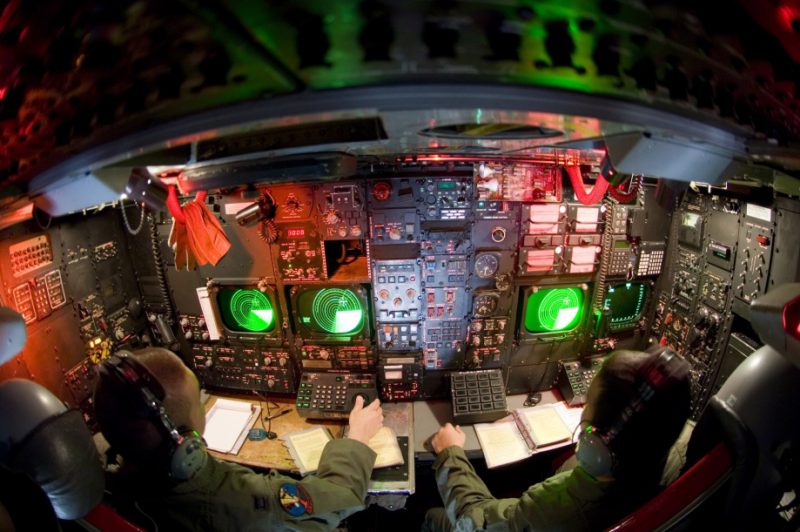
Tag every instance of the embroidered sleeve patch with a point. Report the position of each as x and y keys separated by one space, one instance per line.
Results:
x=295 y=500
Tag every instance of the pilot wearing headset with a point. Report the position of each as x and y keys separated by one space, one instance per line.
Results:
x=636 y=407
x=148 y=408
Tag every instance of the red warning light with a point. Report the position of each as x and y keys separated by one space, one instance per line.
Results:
x=791 y=318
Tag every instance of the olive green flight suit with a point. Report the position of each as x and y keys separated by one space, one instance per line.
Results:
x=572 y=500
x=227 y=496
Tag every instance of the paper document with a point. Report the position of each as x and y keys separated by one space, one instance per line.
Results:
x=384 y=443
x=531 y=430
x=501 y=443
x=546 y=426
x=306 y=447
x=227 y=423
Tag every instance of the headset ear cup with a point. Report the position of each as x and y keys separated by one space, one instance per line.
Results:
x=594 y=455
x=188 y=458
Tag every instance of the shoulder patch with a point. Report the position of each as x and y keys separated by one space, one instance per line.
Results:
x=295 y=500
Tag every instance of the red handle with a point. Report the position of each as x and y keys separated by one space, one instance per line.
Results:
x=174 y=205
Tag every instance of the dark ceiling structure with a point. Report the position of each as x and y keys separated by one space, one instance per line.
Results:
x=88 y=84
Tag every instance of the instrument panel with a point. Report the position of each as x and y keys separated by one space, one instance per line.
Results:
x=403 y=274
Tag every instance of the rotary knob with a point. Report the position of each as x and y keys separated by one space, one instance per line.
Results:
x=498 y=234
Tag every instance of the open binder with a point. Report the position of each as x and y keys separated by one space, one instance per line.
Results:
x=306 y=447
x=528 y=431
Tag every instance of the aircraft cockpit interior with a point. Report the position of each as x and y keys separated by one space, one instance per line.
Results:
x=457 y=208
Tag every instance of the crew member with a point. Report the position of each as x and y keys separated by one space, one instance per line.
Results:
x=636 y=407
x=220 y=495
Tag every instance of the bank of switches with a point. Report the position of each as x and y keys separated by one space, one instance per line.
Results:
x=478 y=396
x=332 y=395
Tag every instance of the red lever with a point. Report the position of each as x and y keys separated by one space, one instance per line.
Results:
x=174 y=205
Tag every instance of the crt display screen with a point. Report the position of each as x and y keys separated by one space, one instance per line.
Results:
x=554 y=310
x=246 y=310
x=626 y=302
x=336 y=311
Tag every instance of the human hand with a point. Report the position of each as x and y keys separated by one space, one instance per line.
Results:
x=447 y=436
x=365 y=421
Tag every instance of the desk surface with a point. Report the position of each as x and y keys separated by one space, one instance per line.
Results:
x=418 y=420
x=273 y=454
x=430 y=415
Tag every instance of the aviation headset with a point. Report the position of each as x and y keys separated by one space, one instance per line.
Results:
x=183 y=451
x=659 y=373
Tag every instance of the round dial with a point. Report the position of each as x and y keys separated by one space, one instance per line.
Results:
x=498 y=234
x=381 y=191
x=485 y=305
x=486 y=265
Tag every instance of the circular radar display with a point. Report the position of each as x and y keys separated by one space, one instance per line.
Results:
x=337 y=311
x=251 y=310
x=554 y=310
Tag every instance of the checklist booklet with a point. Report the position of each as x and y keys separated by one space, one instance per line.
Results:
x=306 y=447
x=528 y=431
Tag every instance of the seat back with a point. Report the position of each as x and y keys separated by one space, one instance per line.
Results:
x=103 y=517
x=683 y=495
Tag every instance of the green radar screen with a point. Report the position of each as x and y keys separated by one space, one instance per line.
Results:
x=246 y=310
x=626 y=302
x=331 y=310
x=554 y=310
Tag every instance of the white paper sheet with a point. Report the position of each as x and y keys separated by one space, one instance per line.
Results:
x=501 y=443
x=226 y=422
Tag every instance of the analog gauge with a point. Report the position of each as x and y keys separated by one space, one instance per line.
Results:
x=381 y=191
x=502 y=282
x=485 y=305
x=486 y=265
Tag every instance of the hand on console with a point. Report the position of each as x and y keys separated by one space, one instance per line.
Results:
x=447 y=436
x=365 y=421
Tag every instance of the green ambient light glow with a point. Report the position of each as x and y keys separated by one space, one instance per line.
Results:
x=246 y=310
x=554 y=310
x=337 y=310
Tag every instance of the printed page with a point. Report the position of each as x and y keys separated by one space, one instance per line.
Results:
x=501 y=443
x=570 y=415
x=546 y=425
x=225 y=422
x=384 y=443
x=306 y=447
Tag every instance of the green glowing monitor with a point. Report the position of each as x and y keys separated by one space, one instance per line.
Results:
x=246 y=310
x=330 y=311
x=626 y=302
x=551 y=310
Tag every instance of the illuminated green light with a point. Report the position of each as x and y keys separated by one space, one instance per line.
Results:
x=246 y=310
x=252 y=310
x=347 y=320
x=554 y=310
x=626 y=302
x=337 y=310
